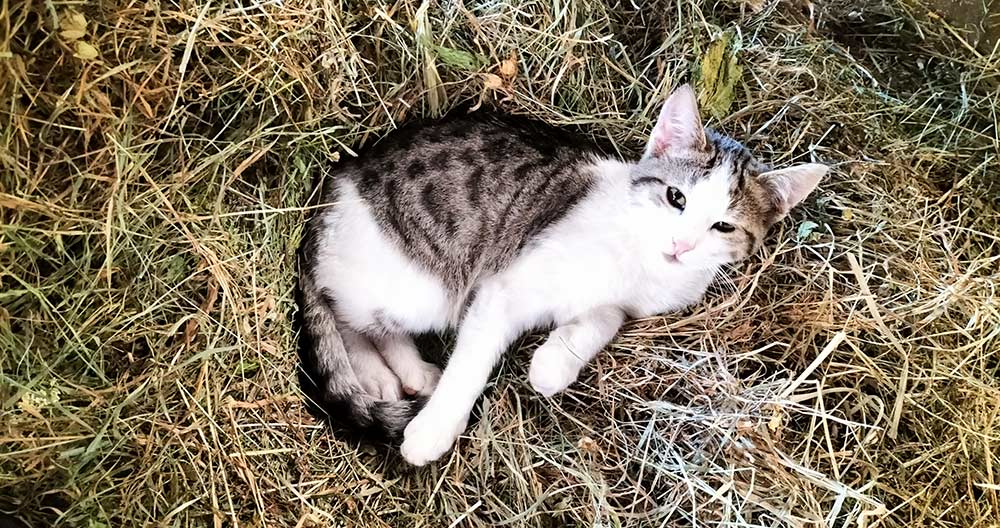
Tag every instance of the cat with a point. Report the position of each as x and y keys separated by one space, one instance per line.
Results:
x=499 y=225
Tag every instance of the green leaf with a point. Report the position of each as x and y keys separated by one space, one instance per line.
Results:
x=719 y=73
x=300 y=164
x=177 y=268
x=247 y=367
x=457 y=58
x=805 y=230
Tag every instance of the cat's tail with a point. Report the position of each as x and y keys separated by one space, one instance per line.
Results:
x=328 y=373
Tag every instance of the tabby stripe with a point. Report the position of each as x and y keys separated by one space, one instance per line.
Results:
x=437 y=210
x=370 y=178
x=715 y=157
x=416 y=169
x=473 y=186
x=505 y=215
x=428 y=240
x=647 y=179
x=751 y=239
x=523 y=169
x=742 y=170
x=440 y=160
x=394 y=215
x=431 y=206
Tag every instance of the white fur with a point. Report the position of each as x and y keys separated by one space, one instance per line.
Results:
x=402 y=356
x=375 y=376
x=707 y=203
x=603 y=262
x=557 y=363
x=368 y=274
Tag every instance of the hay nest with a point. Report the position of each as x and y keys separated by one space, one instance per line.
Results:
x=156 y=167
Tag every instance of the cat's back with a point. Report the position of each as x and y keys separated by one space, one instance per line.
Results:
x=456 y=147
x=464 y=195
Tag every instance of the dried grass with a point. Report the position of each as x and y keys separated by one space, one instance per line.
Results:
x=151 y=201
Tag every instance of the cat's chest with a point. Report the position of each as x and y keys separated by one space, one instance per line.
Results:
x=571 y=277
x=667 y=288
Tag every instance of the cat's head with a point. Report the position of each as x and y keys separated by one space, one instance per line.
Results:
x=707 y=201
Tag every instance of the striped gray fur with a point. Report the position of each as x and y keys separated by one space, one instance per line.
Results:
x=462 y=197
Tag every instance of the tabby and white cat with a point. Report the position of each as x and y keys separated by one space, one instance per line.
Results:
x=496 y=226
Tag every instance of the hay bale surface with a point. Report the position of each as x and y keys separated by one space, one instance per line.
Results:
x=158 y=160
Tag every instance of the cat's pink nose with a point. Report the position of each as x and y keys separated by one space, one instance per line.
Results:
x=682 y=246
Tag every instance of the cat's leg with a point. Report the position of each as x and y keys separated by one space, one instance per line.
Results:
x=557 y=363
x=403 y=357
x=492 y=322
x=371 y=370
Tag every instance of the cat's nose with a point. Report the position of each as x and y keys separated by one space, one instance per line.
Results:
x=682 y=246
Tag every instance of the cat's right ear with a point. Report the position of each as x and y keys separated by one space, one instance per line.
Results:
x=790 y=186
x=678 y=131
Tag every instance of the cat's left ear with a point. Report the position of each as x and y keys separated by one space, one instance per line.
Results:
x=790 y=186
x=678 y=131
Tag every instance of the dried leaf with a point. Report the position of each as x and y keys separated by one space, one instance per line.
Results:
x=29 y=407
x=847 y=214
x=588 y=445
x=508 y=68
x=492 y=81
x=719 y=73
x=85 y=51
x=774 y=424
x=73 y=25
x=72 y=34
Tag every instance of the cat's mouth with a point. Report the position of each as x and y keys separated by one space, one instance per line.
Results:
x=671 y=258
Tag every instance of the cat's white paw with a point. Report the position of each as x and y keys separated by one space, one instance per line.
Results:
x=429 y=436
x=553 y=369
x=420 y=378
x=382 y=384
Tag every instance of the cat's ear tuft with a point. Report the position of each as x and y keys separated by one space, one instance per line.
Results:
x=678 y=130
x=790 y=186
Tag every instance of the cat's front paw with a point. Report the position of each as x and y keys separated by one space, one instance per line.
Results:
x=553 y=369
x=429 y=436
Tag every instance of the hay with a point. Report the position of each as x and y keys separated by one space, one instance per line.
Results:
x=151 y=199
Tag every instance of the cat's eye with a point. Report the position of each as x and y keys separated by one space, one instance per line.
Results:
x=723 y=227
x=676 y=198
